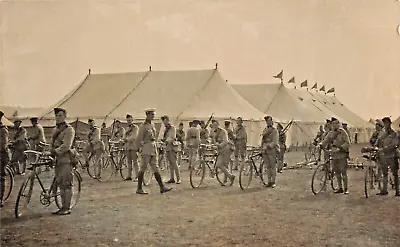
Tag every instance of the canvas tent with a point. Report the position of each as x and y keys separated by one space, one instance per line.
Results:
x=396 y=124
x=20 y=112
x=6 y=122
x=182 y=95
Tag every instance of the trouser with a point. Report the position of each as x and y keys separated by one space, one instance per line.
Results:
x=173 y=165
x=152 y=161
x=339 y=167
x=132 y=160
x=193 y=153
x=224 y=158
x=281 y=155
x=3 y=164
x=18 y=157
x=63 y=174
x=394 y=165
x=240 y=152
x=269 y=160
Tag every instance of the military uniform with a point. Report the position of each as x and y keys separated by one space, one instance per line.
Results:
x=181 y=138
x=146 y=141
x=171 y=149
x=388 y=143
x=119 y=134
x=61 y=144
x=4 y=135
x=240 y=143
x=105 y=136
x=270 y=149
x=131 y=150
x=231 y=139
x=204 y=139
x=193 y=142
x=37 y=136
x=95 y=146
x=20 y=144
x=224 y=152
x=282 y=149
x=340 y=143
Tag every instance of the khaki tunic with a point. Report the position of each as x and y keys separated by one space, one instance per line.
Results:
x=204 y=136
x=193 y=137
x=131 y=135
x=388 y=141
x=146 y=139
x=4 y=135
x=240 y=140
x=94 y=139
x=119 y=134
x=38 y=134
x=170 y=138
x=270 y=140
x=339 y=139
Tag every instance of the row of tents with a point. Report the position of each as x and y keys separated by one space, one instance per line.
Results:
x=198 y=94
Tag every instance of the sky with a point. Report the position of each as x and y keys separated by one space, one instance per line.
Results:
x=48 y=46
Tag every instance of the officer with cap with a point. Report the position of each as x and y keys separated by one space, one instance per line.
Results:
x=270 y=148
x=171 y=149
x=60 y=148
x=146 y=141
x=95 y=146
x=240 y=142
x=19 y=145
x=37 y=135
x=339 y=142
x=130 y=147
x=4 y=135
x=387 y=144
x=193 y=142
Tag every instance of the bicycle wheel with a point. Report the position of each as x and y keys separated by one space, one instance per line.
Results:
x=221 y=177
x=371 y=182
x=318 y=182
x=107 y=168
x=75 y=189
x=197 y=174
x=24 y=196
x=8 y=184
x=123 y=161
x=333 y=180
x=245 y=174
x=163 y=166
x=90 y=167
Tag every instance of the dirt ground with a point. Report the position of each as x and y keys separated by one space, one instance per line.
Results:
x=110 y=214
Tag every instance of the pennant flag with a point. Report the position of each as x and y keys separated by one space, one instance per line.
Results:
x=291 y=80
x=315 y=86
x=303 y=84
x=332 y=90
x=279 y=76
x=322 y=88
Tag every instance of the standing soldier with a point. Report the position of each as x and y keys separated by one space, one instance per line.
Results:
x=378 y=129
x=3 y=156
x=146 y=141
x=282 y=147
x=339 y=142
x=224 y=152
x=270 y=147
x=20 y=144
x=193 y=142
x=180 y=137
x=37 y=135
x=320 y=135
x=387 y=144
x=327 y=129
x=231 y=139
x=94 y=146
x=105 y=135
x=240 y=142
x=61 y=144
x=204 y=137
x=171 y=149
x=130 y=148
x=344 y=125
x=119 y=132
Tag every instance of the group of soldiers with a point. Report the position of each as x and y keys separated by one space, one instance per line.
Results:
x=335 y=141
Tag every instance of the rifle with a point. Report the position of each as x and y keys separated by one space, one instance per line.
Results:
x=287 y=126
x=209 y=120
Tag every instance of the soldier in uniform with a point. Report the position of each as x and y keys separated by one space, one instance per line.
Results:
x=20 y=144
x=224 y=151
x=94 y=146
x=240 y=142
x=146 y=141
x=193 y=142
x=344 y=125
x=387 y=144
x=61 y=144
x=171 y=149
x=204 y=136
x=37 y=135
x=378 y=129
x=320 y=135
x=105 y=135
x=231 y=139
x=327 y=129
x=119 y=132
x=130 y=148
x=3 y=156
x=340 y=143
x=180 y=137
x=270 y=147
x=282 y=146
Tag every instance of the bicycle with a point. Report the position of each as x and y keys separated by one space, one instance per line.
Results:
x=47 y=196
x=163 y=163
x=8 y=183
x=18 y=166
x=249 y=167
x=209 y=159
x=323 y=172
x=373 y=173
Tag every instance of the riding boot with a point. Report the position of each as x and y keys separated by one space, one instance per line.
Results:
x=139 y=189
x=62 y=195
x=66 y=202
x=163 y=189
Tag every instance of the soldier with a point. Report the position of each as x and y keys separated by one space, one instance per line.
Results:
x=378 y=128
x=282 y=147
x=171 y=149
x=204 y=136
x=340 y=143
x=193 y=142
x=270 y=147
x=130 y=148
x=240 y=142
x=37 y=135
x=180 y=137
x=387 y=144
x=94 y=146
x=119 y=132
x=20 y=144
x=320 y=135
x=3 y=156
x=146 y=141
x=327 y=129
x=105 y=135
x=231 y=139
x=61 y=144
x=344 y=125
x=224 y=152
